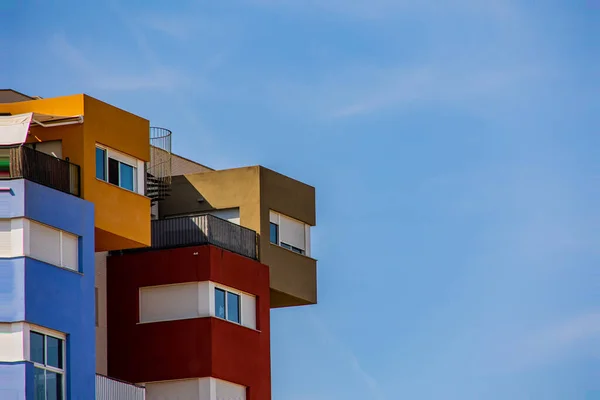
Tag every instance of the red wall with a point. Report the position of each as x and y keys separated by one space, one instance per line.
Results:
x=190 y=348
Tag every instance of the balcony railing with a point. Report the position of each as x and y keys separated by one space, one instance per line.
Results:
x=200 y=230
x=26 y=163
x=112 y=389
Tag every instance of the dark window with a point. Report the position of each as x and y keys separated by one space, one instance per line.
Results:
x=46 y=352
x=100 y=163
x=220 y=303
x=55 y=352
x=37 y=350
x=227 y=305
x=274 y=237
x=53 y=385
x=39 y=384
x=233 y=307
x=113 y=171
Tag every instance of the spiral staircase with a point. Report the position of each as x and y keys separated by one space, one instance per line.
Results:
x=158 y=170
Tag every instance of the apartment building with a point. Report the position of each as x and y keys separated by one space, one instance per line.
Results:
x=128 y=272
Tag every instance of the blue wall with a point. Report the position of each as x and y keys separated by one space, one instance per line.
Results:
x=12 y=290
x=54 y=297
x=16 y=381
x=11 y=203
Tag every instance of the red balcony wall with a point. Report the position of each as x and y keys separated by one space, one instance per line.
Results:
x=190 y=348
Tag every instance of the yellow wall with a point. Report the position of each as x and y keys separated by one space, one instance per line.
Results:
x=256 y=190
x=122 y=217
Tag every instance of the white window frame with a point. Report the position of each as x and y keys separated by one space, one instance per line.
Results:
x=122 y=159
x=228 y=290
x=55 y=335
x=274 y=215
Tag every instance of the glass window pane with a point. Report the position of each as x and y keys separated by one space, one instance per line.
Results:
x=53 y=385
x=233 y=307
x=39 y=384
x=274 y=233
x=127 y=176
x=55 y=352
x=36 y=345
x=113 y=171
x=219 y=303
x=100 y=164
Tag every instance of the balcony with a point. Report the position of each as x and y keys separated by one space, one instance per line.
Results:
x=26 y=163
x=200 y=230
x=112 y=389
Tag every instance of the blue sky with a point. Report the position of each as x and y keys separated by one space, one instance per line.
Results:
x=454 y=148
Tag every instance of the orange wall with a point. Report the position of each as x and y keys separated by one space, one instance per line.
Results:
x=122 y=217
x=118 y=211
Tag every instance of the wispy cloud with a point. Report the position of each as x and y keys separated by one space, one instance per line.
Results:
x=104 y=74
x=347 y=357
x=577 y=335
x=390 y=9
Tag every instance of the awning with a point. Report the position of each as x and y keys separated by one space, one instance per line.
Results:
x=14 y=128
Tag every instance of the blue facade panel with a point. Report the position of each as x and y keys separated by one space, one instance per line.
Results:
x=16 y=381
x=12 y=290
x=47 y=295
x=12 y=204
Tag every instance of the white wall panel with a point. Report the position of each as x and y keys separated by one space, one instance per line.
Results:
x=22 y=237
x=231 y=215
x=12 y=342
x=70 y=251
x=229 y=391
x=291 y=232
x=248 y=311
x=44 y=243
x=169 y=302
x=195 y=389
x=187 y=389
x=204 y=299
x=5 y=238
x=189 y=300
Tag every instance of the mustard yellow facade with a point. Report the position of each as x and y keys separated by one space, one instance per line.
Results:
x=122 y=217
x=256 y=191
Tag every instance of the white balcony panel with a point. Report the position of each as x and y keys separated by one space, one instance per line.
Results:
x=111 y=389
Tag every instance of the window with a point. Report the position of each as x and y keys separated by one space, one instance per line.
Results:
x=53 y=246
x=289 y=233
x=274 y=234
x=227 y=305
x=47 y=355
x=111 y=168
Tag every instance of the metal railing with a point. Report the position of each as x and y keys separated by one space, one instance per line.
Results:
x=112 y=389
x=200 y=230
x=27 y=163
x=204 y=229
